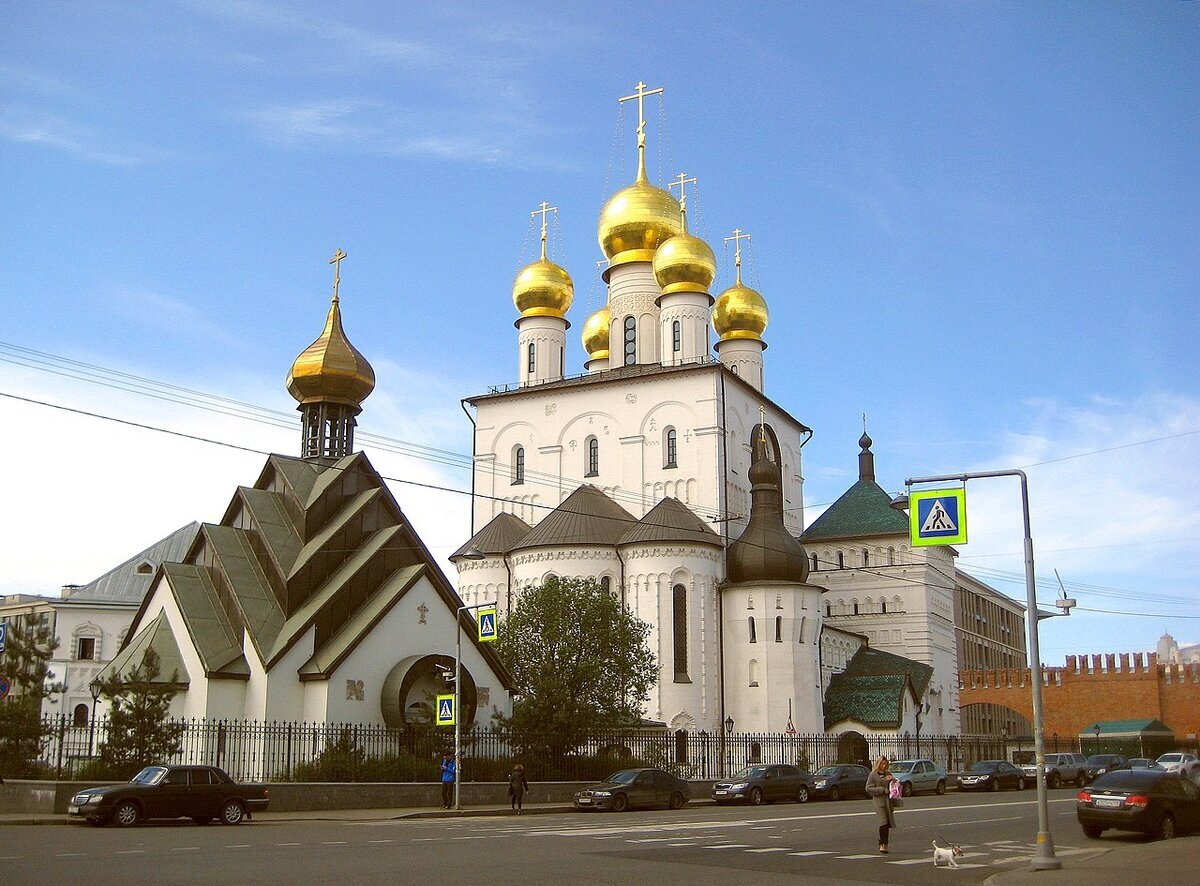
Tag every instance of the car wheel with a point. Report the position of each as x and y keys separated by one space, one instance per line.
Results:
x=1166 y=827
x=1090 y=830
x=835 y=794
x=802 y=794
x=201 y=819
x=620 y=803
x=995 y=786
x=126 y=814
x=756 y=797
x=1020 y=784
x=232 y=812
x=906 y=789
x=941 y=788
x=676 y=801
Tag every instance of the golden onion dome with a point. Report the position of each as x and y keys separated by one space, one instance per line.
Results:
x=636 y=221
x=543 y=289
x=331 y=369
x=740 y=312
x=595 y=334
x=685 y=263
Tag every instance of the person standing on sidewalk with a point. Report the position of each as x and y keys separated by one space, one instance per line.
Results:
x=517 y=786
x=448 y=769
x=878 y=783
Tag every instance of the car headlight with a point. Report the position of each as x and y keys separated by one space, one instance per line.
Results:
x=821 y=782
x=741 y=785
x=603 y=793
x=1100 y=771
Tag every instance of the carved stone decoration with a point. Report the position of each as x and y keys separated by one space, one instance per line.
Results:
x=355 y=690
x=551 y=408
x=422 y=611
x=779 y=601
x=631 y=399
x=749 y=601
x=483 y=694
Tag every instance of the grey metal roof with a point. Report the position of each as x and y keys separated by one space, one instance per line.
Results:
x=502 y=533
x=157 y=635
x=586 y=517
x=671 y=521
x=129 y=581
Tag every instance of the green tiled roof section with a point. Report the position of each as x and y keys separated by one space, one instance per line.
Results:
x=586 y=517
x=332 y=527
x=156 y=635
x=1127 y=727
x=270 y=518
x=330 y=474
x=360 y=623
x=872 y=701
x=864 y=509
x=868 y=662
x=502 y=533
x=214 y=638
x=260 y=610
x=299 y=474
x=307 y=613
x=671 y=522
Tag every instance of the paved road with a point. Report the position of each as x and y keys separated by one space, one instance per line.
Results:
x=814 y=843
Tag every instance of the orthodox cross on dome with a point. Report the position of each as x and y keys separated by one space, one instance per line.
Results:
x=762 y=422
x=544 y=211
x=336 y=261
x=737 y=238
x=640 y=95
x=683 y=180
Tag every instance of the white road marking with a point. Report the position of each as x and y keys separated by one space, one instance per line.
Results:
x=809 y=852
x=238 y=846
x=333 y=843
x=729 y=846
x=69 y=854
x=131 y=852
x=770 y=849
x=860 y=855
x=288 y=844
x=379 y=841
x=186 y=848
x=946 y=824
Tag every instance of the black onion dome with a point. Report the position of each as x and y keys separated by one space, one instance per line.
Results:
x=766 y=551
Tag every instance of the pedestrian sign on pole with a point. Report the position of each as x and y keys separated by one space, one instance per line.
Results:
x=445 y=710
x=486 y=619
x=3 y=635
x=937 y=517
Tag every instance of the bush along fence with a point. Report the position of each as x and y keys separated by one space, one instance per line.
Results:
x=340 y=752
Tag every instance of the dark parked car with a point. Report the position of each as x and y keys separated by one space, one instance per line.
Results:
x=1154 y=802
x=200 y=793
x=842 y=780
x=992 y=775
x=631 y=788
x=1098 y=764
x=765 y=784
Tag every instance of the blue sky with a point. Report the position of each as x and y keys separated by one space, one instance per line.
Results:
x=975 y=222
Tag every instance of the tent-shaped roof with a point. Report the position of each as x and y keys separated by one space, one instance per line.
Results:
x=156 y=635
x=876 y=701
x=671 y=521
x=864 y=509
x=868 y=662
x=502 y=533
x=586 y=517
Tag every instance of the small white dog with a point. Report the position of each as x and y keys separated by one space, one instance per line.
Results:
x=948 y=855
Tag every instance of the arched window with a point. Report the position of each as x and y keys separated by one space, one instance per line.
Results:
x=866 y=557
x=814 y=563
x=531 y=366
x=841 y=560
x=733 y=369
x=753 y=635
x=630 y=340
x=828 y=610
x=593 y=457
x=671 y=448
x=753 y=672
x=676 y=337
x=679 y=620
x=856 y=607
x=883 y=606
x=518 y=465
x=562 y=362
x=606 y=584
x=79 y=717
x=891 y=556
x=779 y=629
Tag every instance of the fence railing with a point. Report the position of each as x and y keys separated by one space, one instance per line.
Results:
x=298 y=751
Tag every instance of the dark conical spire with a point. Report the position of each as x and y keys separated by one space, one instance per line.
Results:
x=766 y=551
x=866 y=459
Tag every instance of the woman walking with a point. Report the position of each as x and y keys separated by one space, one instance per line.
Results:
x=517 y=786
x=877 y=787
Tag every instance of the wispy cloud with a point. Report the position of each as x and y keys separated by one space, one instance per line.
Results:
x=63 y=135
x=146 y=307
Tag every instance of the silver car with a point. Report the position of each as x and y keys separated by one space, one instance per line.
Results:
x=919 y=775
x=1186 y=765
x=1060 y=769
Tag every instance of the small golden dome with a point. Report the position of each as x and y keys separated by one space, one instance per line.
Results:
x=685 y=264
x=331 y=369
x=595 y=334
x=740 y=312
x=636 y=221
x=543 y=289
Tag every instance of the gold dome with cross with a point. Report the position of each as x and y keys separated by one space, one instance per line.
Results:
x=740 y=312
x=542 y=288
x=685 y=263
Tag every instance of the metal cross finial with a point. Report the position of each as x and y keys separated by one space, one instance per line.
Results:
x=864 y=422
x=640 y=95
x=737 y=238
x=683 y=180
x=544 y=211
x=336 y=261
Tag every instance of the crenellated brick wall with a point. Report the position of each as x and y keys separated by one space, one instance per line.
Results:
x=1125 y=686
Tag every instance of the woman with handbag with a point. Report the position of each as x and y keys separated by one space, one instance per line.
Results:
x=879 y=788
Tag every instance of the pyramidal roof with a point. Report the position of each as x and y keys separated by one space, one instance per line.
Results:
x=499 y=536
x=586 y=517
x=869 y=662
x=671 y=521
x=876 y=701
x=864 y=509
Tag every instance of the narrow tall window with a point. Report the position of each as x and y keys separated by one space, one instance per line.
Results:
x=814 y=565
x=891 y=556
x=630 y=340
x=679 y=613
x=606 y=584
x=866 y=557
x=672 y=448
x=883 y=606
x=591 y=455
x=562 y=362
x=676 y=337
x=856 y=607
x=518 y=465
x=841 y=560
x=753 y=635
x=779 y=629
x=532 y=364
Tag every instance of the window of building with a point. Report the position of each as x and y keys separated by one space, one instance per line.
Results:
x=531 y=366
x=606 y=584
x=883 y=606
x=856 y=607
x=779 y=629
x=679 y=613
x=891 y=556
x=753 y=636
x=630 y=340
x=676 y=337
x=753 y=672
x=841 y=560
x=672 y=448
x=593 y=457
x=803 y=623
x=866 y=557
x=828 y=610
x=562 y=362
x=518 y=465
x=86 y=648
x=814 y=563
x=733 y=369
x=79 y=717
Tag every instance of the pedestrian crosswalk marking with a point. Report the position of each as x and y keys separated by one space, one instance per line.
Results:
x=860 y=855
x=730 y=846
x=809 y=852
x=770 y=849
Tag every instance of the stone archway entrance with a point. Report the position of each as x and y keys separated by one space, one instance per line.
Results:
x=852 y=748
x=410 y=688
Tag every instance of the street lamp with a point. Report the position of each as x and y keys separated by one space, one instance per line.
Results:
x=728 y=745
x=94 y=688
x=1096 y=732
x=1043 y=858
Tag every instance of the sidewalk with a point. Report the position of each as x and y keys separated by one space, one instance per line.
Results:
x=1119 y=860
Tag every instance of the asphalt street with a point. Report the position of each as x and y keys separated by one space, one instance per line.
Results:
x=813 y=843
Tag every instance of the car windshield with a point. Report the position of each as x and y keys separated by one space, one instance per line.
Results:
x=983 y=766
x=827 y=771
x=750 y=772
x=902 y=766
x=1170 y=758
x=149 y=775
x=624 y=777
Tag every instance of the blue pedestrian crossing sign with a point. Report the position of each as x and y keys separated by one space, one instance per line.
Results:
x=445 y=710
x=486 y=619
x=937 y=517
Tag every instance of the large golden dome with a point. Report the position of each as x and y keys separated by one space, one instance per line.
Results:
x=636 y=221
x=740 y=312
x=685 y=264
x=331 y=369
x=543 y=289
x=595 y=334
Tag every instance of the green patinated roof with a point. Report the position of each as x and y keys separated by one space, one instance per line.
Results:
x=876 y=701
x=272 y=521
x=586 y=517
x=316 y=545
x=864 y=509
x=156 y=635
x=502 y=533
x=216 y=640
x=260 y=609
x=869 y=662
x=1127 y=727
x=671 y=522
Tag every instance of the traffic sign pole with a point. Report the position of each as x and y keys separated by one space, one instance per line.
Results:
x=458 y=632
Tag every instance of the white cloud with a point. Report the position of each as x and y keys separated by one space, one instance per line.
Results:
x=73 y=138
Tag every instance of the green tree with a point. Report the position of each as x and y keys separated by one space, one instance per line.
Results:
x=26 y=664
x=140 y=732
x=580 y=661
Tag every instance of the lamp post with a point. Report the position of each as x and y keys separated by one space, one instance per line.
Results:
x=1043 y=858
x=728 y=746
x=94 y=688
x=1096 y=732
x=1004 y=742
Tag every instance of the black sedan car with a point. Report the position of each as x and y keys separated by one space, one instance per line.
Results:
x=631 y=788
x=765 y=784
x=1153 y=802
x=842 y=780
x=1099 y=764
x=200 y=793
x=992 y=775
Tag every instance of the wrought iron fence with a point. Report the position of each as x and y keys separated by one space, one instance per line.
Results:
x=297 y=751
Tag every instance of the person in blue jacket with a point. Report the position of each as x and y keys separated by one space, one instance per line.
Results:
x=448 y=768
